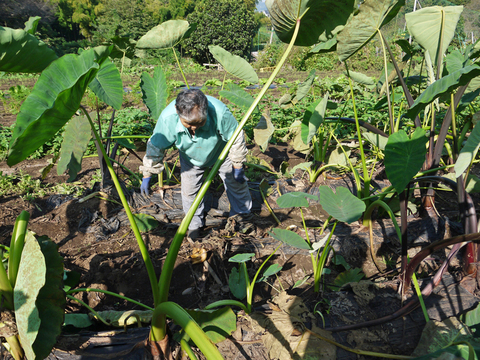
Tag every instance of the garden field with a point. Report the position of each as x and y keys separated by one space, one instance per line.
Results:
x=363 y=237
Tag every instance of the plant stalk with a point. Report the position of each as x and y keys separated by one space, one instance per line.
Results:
x=133 y=224
x=159 y=323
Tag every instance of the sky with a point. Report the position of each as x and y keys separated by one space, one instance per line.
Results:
x=261 y=6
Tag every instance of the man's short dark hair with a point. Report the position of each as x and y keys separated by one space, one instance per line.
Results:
x=192 y=104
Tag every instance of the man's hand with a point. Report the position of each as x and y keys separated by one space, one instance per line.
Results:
x=239 y=174
x=144 y=186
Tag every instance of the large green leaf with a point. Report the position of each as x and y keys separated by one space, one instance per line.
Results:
x=238 y=96
x=404 y=157
x=166 y=35
x=432 y=26
x=456 y=60
x=343 y=205
x=295 y=199
x=76 y=137
x=23 y=52
x=51 y=300
x=54 y=99
x=38 y=297
x=107 y=85
x=324 y=17
x=234 y=64
x=262 y=133
x=360 y=29
x=290 y=238
x=31 y=24
x=154 y=92
x=313 y=118
x=217 y=324
x=443 y=86
x=469 y=151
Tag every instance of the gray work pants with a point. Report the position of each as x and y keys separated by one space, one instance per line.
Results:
x=192 y=179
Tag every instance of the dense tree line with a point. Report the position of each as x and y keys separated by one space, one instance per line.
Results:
x=67 y=24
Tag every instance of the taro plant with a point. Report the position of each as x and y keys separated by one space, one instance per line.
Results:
x=37 y=123
x=342 y=206
x=31 y=291
x=303 y=23
x=240 y=284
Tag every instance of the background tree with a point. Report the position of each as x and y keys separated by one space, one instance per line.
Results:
x=135 y=18
x=226 y=23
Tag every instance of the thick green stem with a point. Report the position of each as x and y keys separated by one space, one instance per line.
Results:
x=133 y=224
x=180 y=67
x=159 y=324
x=366 y=179
x=15 y=347
x=16 y=245
x=191 y=328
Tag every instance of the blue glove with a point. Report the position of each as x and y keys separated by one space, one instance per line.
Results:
x=144 y=186
x=239 y=175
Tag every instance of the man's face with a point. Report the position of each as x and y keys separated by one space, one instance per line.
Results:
x=194 y=124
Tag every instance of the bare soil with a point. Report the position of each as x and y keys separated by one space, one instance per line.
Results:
x=107 y=256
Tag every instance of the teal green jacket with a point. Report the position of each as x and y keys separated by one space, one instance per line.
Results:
x=203 y=148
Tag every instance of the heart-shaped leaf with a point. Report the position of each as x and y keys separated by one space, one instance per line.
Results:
x=107 y=85
x=154 y=92
x=290 y=238
x=234 y=64
x=343 y=205
x=54 y=99
x=76 y=137
x=262 y=133
x=166 y=35
x=404 y=157
x=313 y=118
x=434 y=27
x=324 y=17
x=359 y=30
x=241 y=258
x=145 y=222
x=271 y=270
x=295 y=199
x=348 y=276
x=23 y=52
x=469 y=151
